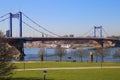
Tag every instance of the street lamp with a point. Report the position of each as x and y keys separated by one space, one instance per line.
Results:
x=44 y=74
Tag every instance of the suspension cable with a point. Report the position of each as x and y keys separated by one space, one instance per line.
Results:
x=4 y=19
x=91 y=34
x=41 y=26
x=87 y=32
x=4 y=15
x=35 y=29
x=105 y=32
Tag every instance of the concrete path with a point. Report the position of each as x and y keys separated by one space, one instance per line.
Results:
x=65 y=68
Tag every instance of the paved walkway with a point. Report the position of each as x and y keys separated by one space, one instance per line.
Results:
x=65 y=68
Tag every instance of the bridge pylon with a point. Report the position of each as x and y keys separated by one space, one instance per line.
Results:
x=20 y=44
x=101 y=42
x=95 y=30
x=17 y=15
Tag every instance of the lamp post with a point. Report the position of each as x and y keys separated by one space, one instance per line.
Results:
x=44 y=74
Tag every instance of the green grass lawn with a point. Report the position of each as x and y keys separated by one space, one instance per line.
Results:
x=81 y=74
x=62 y=64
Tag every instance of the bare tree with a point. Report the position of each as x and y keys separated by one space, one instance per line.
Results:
x=96 y=54
x=117 y=53
x=102 y=52
x=60 y=52
x=81 y=53
x=41 y=54
x=6 y=67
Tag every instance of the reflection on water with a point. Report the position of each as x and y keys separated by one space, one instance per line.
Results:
x=32 y=54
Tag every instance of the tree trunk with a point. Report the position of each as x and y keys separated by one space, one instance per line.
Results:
x=96 y=58
x=81 y=59
x=60 y=59
x=102 y=59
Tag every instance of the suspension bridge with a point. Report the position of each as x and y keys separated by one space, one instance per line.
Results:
x=19 y=40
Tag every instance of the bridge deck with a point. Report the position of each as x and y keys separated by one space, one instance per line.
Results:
x=15 y=39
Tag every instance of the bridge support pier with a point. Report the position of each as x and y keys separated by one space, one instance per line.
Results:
x=101 y=42
x=117 y=43
x=20 y=46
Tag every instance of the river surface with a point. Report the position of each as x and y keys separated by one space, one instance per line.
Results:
x=32 y=54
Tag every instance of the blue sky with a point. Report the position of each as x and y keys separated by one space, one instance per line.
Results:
x=69 y=16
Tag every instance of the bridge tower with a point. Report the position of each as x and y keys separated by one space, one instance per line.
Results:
x=101 y=42
x=17 y=15
x=95 y=30
x=10 y=31
x=20 y=44
x=20 y=19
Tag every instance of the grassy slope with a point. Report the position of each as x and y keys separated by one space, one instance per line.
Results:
x=85 y=74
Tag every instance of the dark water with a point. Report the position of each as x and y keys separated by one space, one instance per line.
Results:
x=32 y=54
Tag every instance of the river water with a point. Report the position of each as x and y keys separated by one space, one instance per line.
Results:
x=32 y=54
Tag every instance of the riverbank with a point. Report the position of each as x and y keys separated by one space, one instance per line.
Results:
x=95 y=45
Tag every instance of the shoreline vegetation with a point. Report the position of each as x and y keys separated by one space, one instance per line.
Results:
x=48 y=45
